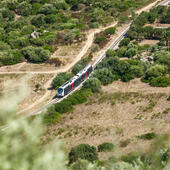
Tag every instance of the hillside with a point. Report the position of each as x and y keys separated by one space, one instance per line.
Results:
x=31 y=30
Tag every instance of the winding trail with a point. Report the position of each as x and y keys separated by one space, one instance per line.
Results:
x=89 y=41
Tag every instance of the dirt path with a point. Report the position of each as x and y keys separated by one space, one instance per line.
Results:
x=84 y=50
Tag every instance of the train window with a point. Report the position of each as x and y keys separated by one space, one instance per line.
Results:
x=60 y=90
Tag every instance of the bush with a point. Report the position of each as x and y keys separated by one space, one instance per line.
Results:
x=78 y=97
x=51 y=116
x=124 y=42
x=83 y=151
x=110 y=30
x=64 y=106
x=105 y=76
x=160 y=81
x=168 y=99
x=131 y=157
x=60 y=79
x=94 y=84
x=148 y=136
x=105 y=147
x=36 y=54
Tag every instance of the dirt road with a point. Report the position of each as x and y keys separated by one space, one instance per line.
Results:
x=84 y=50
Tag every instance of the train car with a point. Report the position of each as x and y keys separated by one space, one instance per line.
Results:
x=75 y=81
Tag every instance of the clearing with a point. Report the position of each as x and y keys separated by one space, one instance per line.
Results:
x=123 y=112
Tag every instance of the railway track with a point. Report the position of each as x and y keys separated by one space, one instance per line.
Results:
x=113 y=45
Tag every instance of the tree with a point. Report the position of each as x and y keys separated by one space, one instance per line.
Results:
x=110 y=30
x=124 y=42
x=110 y=53
x=60 y=79
x=24 y=9
x=48 y=9
x=36 y=55
x=77 y=68
x=93 y=83
x=83 y=151
x=38 y=20
x=105 y=76
x=155 y=71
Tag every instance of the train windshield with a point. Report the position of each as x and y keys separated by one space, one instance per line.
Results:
x=60 y=90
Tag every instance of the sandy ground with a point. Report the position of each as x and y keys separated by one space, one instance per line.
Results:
x=47 y=95
x=148 y=42
x=107 y=119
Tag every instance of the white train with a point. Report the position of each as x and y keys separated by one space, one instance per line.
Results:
x=75 y=81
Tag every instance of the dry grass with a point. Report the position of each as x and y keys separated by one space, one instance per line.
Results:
x=123 y=112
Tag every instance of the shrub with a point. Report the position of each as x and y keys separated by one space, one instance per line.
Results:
x=168 y=98
x=51 y=116
x=105 y=147
x=83 y=151
x=124 y=143
x=78 y=97
x=94 y=84
x=124 y=42
x=160 y=81
x=105 y=76
x=148 y=136
x=64 y=106
x=60 y=79
x=36 y=54
x=110 y=30
x=131 y=157
x=100 y=39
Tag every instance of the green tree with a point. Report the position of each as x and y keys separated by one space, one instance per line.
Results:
x=83 y=151
x=60 y=79
x=94 y=84
x=24 y=8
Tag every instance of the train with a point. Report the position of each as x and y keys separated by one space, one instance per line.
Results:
x=75 y=81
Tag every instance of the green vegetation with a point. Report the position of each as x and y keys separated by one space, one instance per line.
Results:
x=139 y=31
x=148 y=136
x=94 y=84
x=60 y=79
x=105 y=147
x=53 y=114
x=57 y=22
x=83 y=151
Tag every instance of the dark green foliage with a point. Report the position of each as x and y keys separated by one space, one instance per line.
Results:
x=105 y=76
x=110 y=53
x=100 y=39
x=131 y=157
x=83 y=151
x=94 y=84
x=38 y=20
x=110 y=30
x=124 y=42
x=160 y=81
x=138 y=31
x=59 y=16
x=80 y=65
x=24 y=8
x=148 y=136
x=78 y=97
x=105 y=147
x=51 y=116
x=60 y=79
x=36 y=55
x=64 y=106
x=168 y=98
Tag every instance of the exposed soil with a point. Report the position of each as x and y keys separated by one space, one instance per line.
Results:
x=148 y=42
x=123 y=112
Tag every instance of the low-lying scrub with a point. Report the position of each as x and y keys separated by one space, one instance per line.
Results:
x=105 y=147
x=148 y=136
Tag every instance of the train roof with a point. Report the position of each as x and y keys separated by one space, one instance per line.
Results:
x=70 y=81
